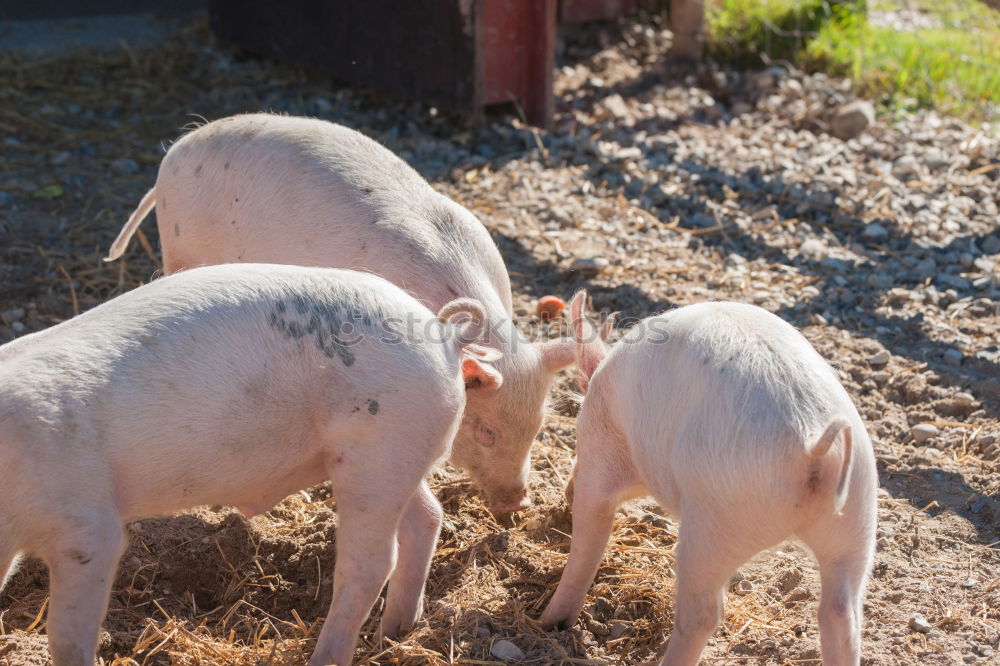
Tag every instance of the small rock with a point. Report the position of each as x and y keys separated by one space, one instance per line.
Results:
x=504 y=650
x=935 y=158
x=12 y=315
x=923 y=432
x=603 y=609
x=926 y=267
x=880 y=358
x=598 y=628
x=905 y=167
x=949 y=281
x=964 y=399
x=919 y=623
x=123 y=166
x=970 y=582
x=59 y=158
x=852 y=119
x=798 y=594
x=6 y=200
x=589 y=266
x=875 y=231
x=323 y=105
x=990 y=245
x=743 y=588
x=741 y=108
x=617 y=629
x=953 y=357
x=616 y=106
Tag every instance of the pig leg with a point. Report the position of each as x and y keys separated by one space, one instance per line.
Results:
x=417 y=536
x=709 y=551
x=597 y=489
x=369 y=506
x=8 y=557
x=844 y=557
x=82 y=560
x=592 y=522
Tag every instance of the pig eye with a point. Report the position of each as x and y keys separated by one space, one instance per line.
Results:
x=486 y=435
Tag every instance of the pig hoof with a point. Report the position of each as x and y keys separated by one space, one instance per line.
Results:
x=550 y=624
x=394 y=630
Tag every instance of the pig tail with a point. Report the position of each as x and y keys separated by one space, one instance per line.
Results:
x=474 y=321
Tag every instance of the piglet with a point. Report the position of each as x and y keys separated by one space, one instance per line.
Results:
x=238 y=385
x=728 y=417
x=279 y=189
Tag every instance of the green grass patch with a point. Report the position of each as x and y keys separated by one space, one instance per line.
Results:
x=950 y=60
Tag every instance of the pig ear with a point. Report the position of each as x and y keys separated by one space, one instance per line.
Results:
x=557 y=354
x=590 y=349
x=607 y=326
x=479 y=375
x=582 y=330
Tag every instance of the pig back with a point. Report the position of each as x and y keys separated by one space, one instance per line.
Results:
x=238 y=367
x=720 y=392
x=303 y=191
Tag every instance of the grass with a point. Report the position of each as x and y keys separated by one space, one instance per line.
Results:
x=951 y=64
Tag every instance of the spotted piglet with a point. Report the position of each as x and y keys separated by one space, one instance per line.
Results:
x=728 y=417
x=237 y=385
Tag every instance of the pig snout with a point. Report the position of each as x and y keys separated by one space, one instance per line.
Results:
x=510 y=501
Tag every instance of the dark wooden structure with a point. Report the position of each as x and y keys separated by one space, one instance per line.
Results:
x=459 y=54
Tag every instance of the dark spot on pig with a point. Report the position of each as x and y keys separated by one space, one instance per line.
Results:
x=451 y=291
x=233 y=222
x=177 y=230
x=82 y=558
x=237 y=199
x=373 y=407
x=367 y=190
x=340 y=459
x=324 y=321
x=197 y=170
x=226 y=165
x=814 y=480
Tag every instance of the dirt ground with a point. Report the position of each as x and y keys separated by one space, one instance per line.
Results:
x=674 y=187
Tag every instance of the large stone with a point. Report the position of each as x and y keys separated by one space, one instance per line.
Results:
x=852 y=119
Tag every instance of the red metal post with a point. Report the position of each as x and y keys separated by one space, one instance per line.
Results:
x=520 y=56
